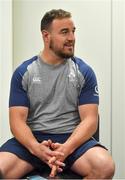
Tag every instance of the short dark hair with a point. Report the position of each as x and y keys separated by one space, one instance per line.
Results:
x=51 y=15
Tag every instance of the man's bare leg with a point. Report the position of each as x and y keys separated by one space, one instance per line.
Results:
x=96 y=163
x=13 y=167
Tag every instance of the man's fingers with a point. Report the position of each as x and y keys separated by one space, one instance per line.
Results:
x=56 y=162
x=53 y=171
x=49 y=142
x=52 y=160
x=44 y=143
x=59 y=163
x=59 y=169
x=55 y=145
x=57 y=153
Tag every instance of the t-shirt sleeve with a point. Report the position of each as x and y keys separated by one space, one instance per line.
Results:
x=18 y=96
x=89 y=92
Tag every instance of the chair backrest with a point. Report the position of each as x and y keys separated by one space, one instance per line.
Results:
x=96 y=135
x=1 y=176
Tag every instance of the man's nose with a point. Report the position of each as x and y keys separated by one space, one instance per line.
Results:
x=71 y=36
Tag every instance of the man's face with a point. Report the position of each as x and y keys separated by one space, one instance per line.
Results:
x=62 y=39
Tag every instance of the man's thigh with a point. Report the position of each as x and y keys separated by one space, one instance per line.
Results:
x=12 y=166
x=93 y=159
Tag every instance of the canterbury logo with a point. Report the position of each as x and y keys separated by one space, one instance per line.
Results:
x=36 y=79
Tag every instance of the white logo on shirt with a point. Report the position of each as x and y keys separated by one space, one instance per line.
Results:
x=71 y=76
x=96 y=91
x=36 y=79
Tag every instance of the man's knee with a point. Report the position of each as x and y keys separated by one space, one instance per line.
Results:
x=106 y=169
x=8 y=161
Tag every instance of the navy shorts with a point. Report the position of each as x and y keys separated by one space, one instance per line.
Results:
x=13 y=146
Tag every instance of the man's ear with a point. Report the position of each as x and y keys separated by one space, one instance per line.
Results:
x=45 y=35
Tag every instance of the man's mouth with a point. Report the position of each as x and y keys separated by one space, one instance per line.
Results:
x=71 y=45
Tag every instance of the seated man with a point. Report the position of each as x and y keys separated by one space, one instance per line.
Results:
x=54 y=110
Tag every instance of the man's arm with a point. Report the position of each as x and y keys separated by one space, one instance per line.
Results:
x=87 y=127
x=22 y=132
x=19 y=128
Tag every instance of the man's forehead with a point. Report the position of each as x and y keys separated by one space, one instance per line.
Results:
x=63 y=23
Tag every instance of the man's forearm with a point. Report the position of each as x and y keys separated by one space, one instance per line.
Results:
x=81 y=134
x=20 y=129
x=24 y=135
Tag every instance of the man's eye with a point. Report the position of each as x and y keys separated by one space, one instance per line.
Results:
x=64 y=32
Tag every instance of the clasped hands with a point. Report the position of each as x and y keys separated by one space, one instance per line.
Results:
x=53 y=154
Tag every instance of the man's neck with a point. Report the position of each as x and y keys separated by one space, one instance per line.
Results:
x=50 y=58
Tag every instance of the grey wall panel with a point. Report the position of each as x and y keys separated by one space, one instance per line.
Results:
x=118 y=86
x=5 y=66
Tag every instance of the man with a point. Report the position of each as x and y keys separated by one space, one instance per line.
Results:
x=54 y=109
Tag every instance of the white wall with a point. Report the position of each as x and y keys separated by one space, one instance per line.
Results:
x=118 y=86
x=100 y=39
x=5 y=65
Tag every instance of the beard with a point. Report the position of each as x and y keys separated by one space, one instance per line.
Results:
x=60 y=52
